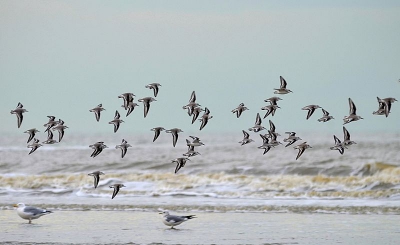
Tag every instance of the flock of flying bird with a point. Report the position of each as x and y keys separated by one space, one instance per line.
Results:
x=194 y=109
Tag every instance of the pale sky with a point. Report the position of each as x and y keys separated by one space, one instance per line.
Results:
x=63 y=58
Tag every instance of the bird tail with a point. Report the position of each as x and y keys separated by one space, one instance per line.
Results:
x=190 y=216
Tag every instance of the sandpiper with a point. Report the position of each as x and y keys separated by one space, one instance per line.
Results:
x=19 y=111
x=97 y=111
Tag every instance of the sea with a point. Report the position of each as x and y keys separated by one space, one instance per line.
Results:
x=225 y=177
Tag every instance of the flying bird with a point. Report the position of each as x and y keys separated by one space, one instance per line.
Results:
x=32 y=132
x=146 y=103
x=302 y=147
x=116 y=121
x=352 y=117
x=282 y=89
x=116 y=189
x=124 y=147
x=157 y=132
x=239 y=110
x=97 y=111
x=174 y=132
x=311 y=109
x=19 y=111
x=154 y=87
x=96 y=175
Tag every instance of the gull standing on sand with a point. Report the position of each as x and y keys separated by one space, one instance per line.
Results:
x=29 y=212
x=97 y=111
x=18 y=111
x=124 y=147
x=302 y=147
x=246 y=138
x=204 y=118
x=127 y=97
x=174 y=132
x=116 y=189
x=157 y=132
x=174 y=220
x=32 y=132
x=116 y=121
x=325 y=117
x=257 y=125
x=311 y=109
x=146 y=103
x=154 y=87
x=180 y=163
x=96 y=175
x=60 y=128
x=34 y=146
x=239 y=110
x=282 y=89
x=352 y=113
x=98 y=148
x=291 y=139
x=338 y=145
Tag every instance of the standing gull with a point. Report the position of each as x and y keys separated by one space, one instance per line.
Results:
x=302 y=147
x=116 y=189
x=239 y=110
x=116 y=121
x=154 y=87
x=157 y=132
x=146 y=103
x=174 y=220
x=352 y=113
x=282 y=89
x=174 y=132
x=311 y=109
x=96 y=175
x=124 y=147
x=97 y=111
x=325 y=117
x=30 y=213
x=18 y=111
x=32 y=132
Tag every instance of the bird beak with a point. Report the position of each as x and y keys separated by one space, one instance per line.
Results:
x=15 y=205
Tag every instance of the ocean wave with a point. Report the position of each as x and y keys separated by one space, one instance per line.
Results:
x=382 y=184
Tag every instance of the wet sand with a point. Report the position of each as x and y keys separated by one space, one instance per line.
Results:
x=122 y=227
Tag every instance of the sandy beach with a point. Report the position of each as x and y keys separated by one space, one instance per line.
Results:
x=130 y=227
